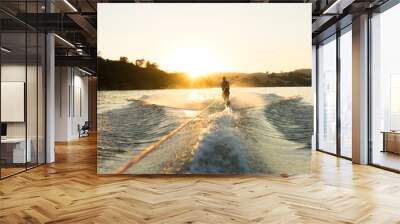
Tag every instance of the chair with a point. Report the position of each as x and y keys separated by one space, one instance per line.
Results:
x=84 y=130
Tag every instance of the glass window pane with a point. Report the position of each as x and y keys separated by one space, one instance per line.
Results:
x=327 y=96
x=14 y=153
x=41 y=98
x=22 y=87
x=385 y=114
x=32 y=97
x=346 y=94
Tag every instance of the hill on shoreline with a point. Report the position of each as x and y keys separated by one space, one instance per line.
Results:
x=124 y=75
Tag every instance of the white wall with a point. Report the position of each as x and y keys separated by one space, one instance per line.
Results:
x=62 y=83
x=71 y=87
x=80 y=110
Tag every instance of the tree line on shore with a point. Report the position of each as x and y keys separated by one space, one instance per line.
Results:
x=141 y=74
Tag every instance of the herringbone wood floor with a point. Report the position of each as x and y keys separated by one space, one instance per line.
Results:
x=69 y=191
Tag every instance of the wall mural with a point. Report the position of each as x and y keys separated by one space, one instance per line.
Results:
x=204 y=89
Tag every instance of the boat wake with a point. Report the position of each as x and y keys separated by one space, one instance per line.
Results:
x=264 y=133
x=220 y=149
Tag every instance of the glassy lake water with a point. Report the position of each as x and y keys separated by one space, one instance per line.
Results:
x=266 y=131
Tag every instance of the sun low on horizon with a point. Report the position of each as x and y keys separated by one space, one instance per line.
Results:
x=195 y=61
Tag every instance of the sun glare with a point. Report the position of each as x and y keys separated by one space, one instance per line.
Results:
x=194 y=61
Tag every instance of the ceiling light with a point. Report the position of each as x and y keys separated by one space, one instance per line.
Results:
x=65 y=41
x=5 y=50
x=79 y=51
x=338 y=6
x=70 y=5
x=86 y=72
x=328 y=10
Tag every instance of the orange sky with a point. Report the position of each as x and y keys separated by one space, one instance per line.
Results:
x=202 y=38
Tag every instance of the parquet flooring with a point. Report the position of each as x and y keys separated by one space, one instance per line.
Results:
x=70 y=191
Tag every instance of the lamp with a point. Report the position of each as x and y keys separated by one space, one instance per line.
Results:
x=5 y=50
x=70 y=5
x=64 y=40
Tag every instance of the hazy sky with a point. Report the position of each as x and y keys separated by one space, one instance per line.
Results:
x=208 y=37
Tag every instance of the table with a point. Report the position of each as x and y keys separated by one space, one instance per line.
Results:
x=391 y=141
x=13 y=150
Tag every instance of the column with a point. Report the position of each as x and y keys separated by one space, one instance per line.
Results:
x=360 y=90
